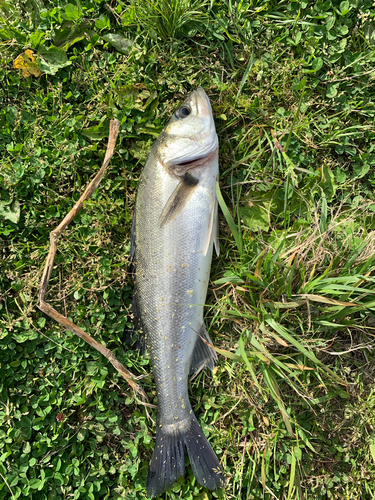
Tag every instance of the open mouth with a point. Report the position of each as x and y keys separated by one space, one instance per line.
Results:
x=202 y=161
x=190 y=162
x=182 y=167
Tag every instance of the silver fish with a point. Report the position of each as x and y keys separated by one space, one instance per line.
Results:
x=175 y=227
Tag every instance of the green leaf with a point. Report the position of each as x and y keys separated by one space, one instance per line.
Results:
x=332 y=90
x=256 y=213
x=97 y=132
x=148 y=129
x=26 y=447
x=255 y=218
x=275 y=393
x=301 y=85
x=41 y=322
x=343 y=29
x=361 y=170
x=316 y=65
x=35 y=483
x=330 y=23
x=72 y=12
x=36 y=38
x=10 y=212
x=59 y=479
x=68 y=35
x=102 y=22
x=340 y=176
x=344 y=7
x=120 y=43
x=52 y=59
x=328 y=185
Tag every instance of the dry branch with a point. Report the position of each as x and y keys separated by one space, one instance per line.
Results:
x=50 y=311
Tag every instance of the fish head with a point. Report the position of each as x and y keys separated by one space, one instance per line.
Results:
x=190 y=135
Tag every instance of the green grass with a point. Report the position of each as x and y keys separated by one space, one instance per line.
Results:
x=290 y=408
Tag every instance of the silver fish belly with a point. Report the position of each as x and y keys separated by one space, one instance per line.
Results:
x=175 y=229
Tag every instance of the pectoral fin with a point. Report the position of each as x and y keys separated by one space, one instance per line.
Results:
x=178 y=199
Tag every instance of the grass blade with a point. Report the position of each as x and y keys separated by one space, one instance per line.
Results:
x=232 y=225
x=292 y=476
x=323 y=214
x=246 y=74
x=289 y=338
x=275 y=393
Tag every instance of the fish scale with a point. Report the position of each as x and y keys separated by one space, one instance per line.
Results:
x=175 y=228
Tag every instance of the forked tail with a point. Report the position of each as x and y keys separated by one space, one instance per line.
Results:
x=168 y=460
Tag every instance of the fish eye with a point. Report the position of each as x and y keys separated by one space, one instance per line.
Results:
x=182 y=112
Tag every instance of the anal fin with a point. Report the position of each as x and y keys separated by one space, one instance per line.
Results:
x=203 y=354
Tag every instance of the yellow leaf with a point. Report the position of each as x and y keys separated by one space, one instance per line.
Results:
x=372 y=445
x=326 y=300
x=27 y=63
x=281 y=341
x=299 y=367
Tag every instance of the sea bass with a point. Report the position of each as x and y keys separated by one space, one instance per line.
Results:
x=175 y=227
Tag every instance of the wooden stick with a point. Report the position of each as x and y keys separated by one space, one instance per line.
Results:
x=54 y=235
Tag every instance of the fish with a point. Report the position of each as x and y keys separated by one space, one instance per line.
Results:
x=174 y=230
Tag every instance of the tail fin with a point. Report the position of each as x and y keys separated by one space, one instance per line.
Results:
x=167 y=463
x=204 y=462
x=168 y=460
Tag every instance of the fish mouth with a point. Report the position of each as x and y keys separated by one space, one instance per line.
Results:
x=181 y=167
x=189 y=163
x=200 y=158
